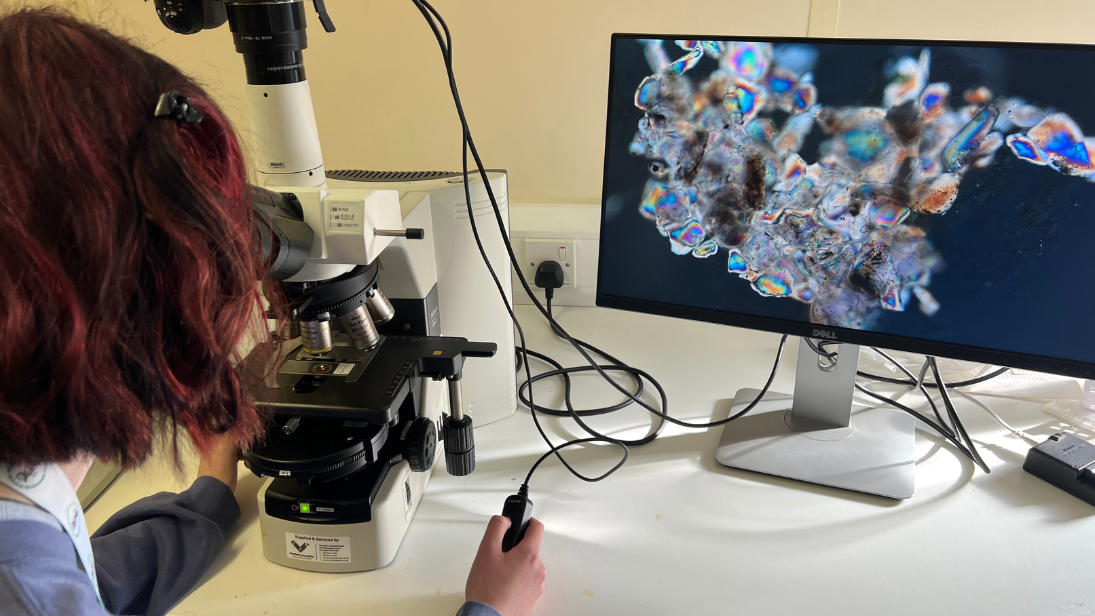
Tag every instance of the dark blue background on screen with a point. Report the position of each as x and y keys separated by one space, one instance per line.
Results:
x=1018 y=243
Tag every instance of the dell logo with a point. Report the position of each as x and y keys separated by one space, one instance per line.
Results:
x=821 y=333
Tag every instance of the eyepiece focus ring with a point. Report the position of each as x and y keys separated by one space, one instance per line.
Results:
x=271 y=37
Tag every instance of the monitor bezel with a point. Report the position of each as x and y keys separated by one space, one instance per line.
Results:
x=895 y=342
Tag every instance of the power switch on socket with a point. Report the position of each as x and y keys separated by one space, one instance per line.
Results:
x=563 y=251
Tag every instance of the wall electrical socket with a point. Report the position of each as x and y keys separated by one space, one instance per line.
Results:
x=565 y=251
x=545 y=228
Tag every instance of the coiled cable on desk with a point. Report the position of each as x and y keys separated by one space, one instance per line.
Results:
x=638 y=375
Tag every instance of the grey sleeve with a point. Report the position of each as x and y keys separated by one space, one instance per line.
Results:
x=150 y=554
x=475 y=608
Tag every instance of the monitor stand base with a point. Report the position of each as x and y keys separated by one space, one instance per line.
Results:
x=872 y=452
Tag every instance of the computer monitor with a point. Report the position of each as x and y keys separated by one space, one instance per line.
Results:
x=926 y=196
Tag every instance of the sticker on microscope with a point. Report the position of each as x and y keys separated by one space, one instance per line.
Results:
x=317 y=549
x=344 y=368
x=345 y=217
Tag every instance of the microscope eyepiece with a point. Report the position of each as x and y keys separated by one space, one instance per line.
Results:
x=271 y=36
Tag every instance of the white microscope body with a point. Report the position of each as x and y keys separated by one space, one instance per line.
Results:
x=358 y=411
x=289 y=160
x=344 y=216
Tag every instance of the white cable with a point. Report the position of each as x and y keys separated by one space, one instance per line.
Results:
x=1021 y=434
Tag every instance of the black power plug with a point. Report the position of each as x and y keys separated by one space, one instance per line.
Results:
x=549 y=276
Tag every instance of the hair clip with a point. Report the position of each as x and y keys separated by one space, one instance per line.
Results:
x=176 y=107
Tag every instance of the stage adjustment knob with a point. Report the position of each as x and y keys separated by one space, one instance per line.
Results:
x=459 y=446
x=420 y=444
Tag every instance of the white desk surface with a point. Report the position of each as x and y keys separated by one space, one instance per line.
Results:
x=675 y=533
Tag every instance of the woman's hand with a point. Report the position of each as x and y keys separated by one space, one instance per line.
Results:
x=510 y=582
x=221 y=461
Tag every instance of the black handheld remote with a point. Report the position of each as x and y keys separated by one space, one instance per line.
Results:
x=518 y=509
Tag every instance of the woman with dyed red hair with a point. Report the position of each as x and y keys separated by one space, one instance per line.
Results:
x=128 y=278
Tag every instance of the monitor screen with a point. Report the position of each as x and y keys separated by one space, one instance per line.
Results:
x=935 y=197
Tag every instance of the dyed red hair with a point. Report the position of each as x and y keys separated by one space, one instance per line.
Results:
x=128 y=269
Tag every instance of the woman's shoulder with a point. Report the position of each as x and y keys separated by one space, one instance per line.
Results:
x=39 y=573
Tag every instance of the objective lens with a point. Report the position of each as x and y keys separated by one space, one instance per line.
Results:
x=379 y=307
x=360 y=327
x=316 y=336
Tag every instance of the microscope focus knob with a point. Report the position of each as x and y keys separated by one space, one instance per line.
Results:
x=459 y=446
x=420 y=444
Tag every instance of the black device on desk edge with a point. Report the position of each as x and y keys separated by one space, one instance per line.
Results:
x=518 y=509
x=1067 y=462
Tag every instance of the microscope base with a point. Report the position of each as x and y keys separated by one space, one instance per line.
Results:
x=345 y=548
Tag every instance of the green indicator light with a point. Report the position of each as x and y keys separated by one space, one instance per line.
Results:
x=305 y=508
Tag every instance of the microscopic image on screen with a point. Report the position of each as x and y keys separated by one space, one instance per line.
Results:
x=939 y=192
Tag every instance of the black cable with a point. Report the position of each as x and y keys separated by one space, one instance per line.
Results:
x=559 y=370
x=973 y=381
x=445 y=43
x=820 y=349
x=617 y=365
x=644 y=375
x=918 y=383
x=923 y=418
x=965 y=445
x=446 y=49
x=931 y=401
x=639 y=374
x=554 y=450
x=953 y=414
x=424 y=6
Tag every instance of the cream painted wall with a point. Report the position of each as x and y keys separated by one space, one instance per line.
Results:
x=1055 y=21
x=533 y=74
x=533 y=78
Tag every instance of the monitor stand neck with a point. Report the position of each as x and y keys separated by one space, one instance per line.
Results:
x=824 y=389
x=819 y=436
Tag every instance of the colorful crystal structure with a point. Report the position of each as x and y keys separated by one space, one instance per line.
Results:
x=841 y=233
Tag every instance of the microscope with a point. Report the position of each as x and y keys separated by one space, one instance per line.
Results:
x=360 y=398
